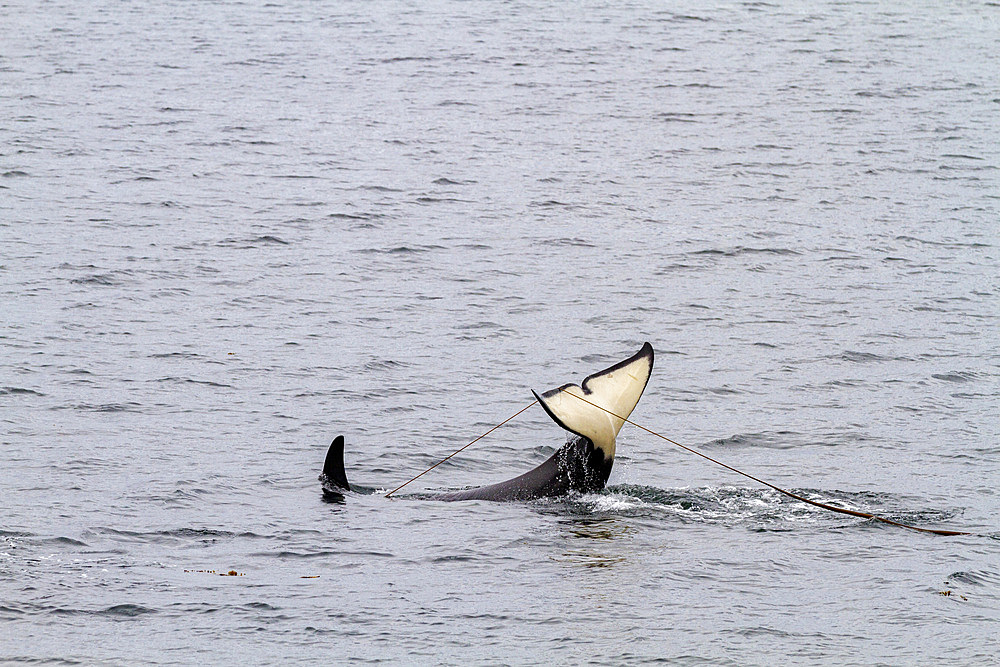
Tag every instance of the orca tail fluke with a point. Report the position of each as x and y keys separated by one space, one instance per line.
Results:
x=334 y=477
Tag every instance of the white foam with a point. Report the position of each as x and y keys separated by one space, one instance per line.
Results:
x=612 y=503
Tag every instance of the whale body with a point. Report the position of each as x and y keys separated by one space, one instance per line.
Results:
x=582 y=465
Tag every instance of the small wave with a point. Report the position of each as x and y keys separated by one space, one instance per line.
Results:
x=757 y=509
x=175 y=535
x=975 y=578
x=551 y=203
x=958 y=376
x=118 y=611
x=448 y=181
x=127 y=610
x=243 y=244
x=401 y=250
x=14 y=533
x=425 y=199
x=860 y=357
x=384 y=364
x=19 y=390
x=378 y=188
x=776 y=440
x=104 y=279
x=353 y=216
x=723 y=391
x=407 y=59
x=323 y=554
x=744 y=250
x=102 y=407
x=207 y=383
x=677 y=117
x=570 y=242
x=452 y=559
x=61 y=541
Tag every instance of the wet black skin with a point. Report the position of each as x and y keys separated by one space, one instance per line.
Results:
x=334 y=478
x=577 y=466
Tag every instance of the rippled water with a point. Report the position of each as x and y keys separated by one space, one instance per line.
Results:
x=231 y=231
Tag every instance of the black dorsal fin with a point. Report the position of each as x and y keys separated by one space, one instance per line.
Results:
x=333 y=468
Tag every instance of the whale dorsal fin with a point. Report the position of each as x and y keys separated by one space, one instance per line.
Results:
x=617 y=389
x=333 y=467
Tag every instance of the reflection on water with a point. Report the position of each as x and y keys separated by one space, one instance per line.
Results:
x=594 y=542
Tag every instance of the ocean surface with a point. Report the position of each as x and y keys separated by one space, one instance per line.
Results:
x=230 y=231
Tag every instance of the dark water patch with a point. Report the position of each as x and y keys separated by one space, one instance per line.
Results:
x=975 y=578
x=195 y=607
x=448 y=181
x=574 y=242
x=103 y=279
x=268 y=239
x=126 y=611
x=131 y=407
x=14 y=173
x=452 y=559
x=207 y=383
x=552 y=203
x=176 y=355
x=385 y=364
x=860 y=357
x=678 y=266
x=175 y=536
x=335 y=555
x=401 y=250
x=958 y=376
x=677 y=117
x=254 y=242
x=426 y=199
x=407 y=59
x=60 y=542
x=956 y=245
x=379 y=188
x=775 y=440
x=33 y=660
x=14 y=533
x=971 y=395
x=8 y=391
x=743 y=250
x=723 y=391
x=353 y=216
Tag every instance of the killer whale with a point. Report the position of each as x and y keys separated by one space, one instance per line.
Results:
x=582 y=465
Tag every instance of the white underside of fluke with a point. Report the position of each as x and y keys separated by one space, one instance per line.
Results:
x=616 y=389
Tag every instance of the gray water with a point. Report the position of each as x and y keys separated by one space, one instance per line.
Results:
x=230 y=231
